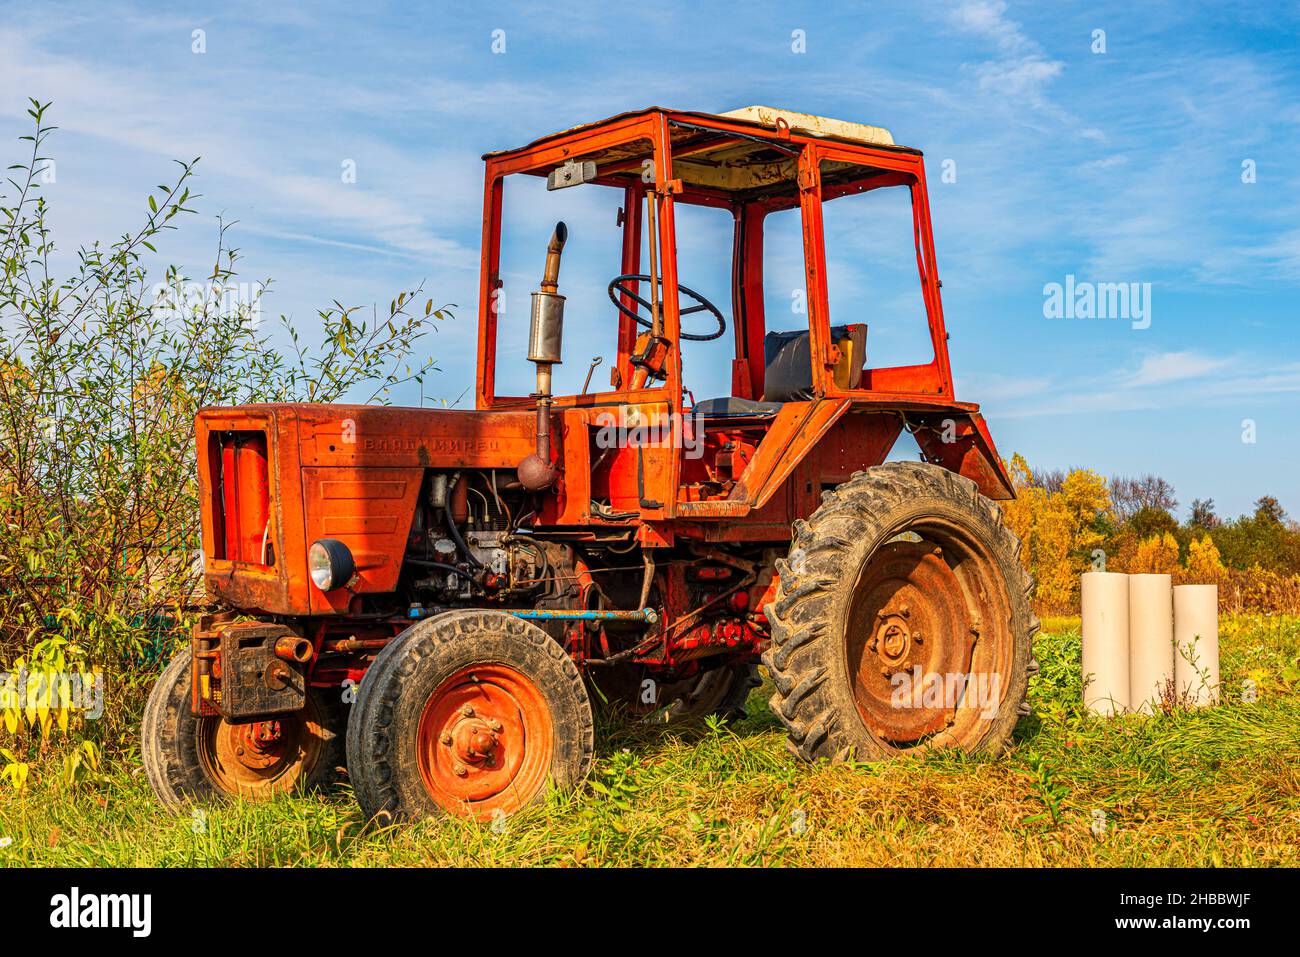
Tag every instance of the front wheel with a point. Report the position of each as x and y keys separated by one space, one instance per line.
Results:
x=472 y=713
x=188 y=758
x=902 y=620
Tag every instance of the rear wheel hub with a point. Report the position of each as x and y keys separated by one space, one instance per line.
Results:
x=912 y=635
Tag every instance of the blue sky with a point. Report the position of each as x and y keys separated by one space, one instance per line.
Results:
x=1122 y=166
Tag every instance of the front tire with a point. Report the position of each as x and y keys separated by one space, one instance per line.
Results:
x=902 y=620
x=190 y=759
x=471 y=713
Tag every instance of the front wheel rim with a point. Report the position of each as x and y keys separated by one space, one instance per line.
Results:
x=256 y=758
x=485 y=742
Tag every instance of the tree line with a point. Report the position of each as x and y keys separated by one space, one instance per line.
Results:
x=1075 y=520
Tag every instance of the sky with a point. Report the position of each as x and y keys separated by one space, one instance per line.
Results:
x=1161 y=151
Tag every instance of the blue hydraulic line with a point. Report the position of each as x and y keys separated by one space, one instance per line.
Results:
x=648 y=615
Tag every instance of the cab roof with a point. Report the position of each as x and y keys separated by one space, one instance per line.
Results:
x=763 y=119
x=753 y=156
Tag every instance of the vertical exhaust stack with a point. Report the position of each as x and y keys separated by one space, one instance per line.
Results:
x=546 y=332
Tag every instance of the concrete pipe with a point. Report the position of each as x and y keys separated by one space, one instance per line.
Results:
x=1196 y=637
x=1105 y=643
x=1151 y=640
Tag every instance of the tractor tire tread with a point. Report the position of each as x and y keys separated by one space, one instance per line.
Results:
x=814 y=714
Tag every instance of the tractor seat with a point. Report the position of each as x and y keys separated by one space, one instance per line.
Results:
x=787 y=362
x=730 y=406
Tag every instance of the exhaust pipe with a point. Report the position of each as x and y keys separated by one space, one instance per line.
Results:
x=551 y=274
x=546 y=332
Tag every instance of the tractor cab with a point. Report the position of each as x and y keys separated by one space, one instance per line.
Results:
x=734 y=280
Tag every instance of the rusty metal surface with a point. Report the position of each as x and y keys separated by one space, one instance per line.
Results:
x=485 y=741
x=908 y=620
x=960 y=442
x=752 y=126
x=255 y=759
x=345 y=471
x=253 y=680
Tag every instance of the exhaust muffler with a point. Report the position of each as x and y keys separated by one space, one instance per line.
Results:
x=545 y=336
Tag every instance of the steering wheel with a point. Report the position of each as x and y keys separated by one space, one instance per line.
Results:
x=618 y=285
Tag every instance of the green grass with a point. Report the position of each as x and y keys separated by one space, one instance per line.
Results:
x=1219 y=786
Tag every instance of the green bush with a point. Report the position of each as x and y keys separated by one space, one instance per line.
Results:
x=101 y=373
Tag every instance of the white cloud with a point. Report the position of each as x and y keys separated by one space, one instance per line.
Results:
x=1103 y=164
x=993 y=388
x=986 y=18
x=117 y=109
x=1024 y=77
x=1022 y=71
x=1173 y=367
x=1162 y=381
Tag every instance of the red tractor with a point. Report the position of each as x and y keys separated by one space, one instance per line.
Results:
x=438 y=598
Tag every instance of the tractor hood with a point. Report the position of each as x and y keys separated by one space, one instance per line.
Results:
x=275 y=478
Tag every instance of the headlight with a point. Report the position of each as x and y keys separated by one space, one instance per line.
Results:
x=330 y=564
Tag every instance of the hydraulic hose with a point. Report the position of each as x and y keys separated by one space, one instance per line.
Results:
x=460 y=542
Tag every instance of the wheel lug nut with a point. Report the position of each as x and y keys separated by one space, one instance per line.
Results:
x=495 y=725
x=467 y=710
x=446 y=738
x=460 y=770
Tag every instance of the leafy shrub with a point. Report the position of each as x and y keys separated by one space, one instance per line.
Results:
x=102 y=371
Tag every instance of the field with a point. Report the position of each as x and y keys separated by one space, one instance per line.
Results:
x=1215 y=787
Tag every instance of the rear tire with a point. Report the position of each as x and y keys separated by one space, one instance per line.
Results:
x=472 y=713
x=190 y=759
x=865 y=612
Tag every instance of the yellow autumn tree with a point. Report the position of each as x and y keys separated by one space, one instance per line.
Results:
x=1085 y=497
x=1057 y=530
x=1020 y=513
x=1157 y=555
x=1204 y=566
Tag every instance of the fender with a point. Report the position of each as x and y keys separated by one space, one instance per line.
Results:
x=959 y=440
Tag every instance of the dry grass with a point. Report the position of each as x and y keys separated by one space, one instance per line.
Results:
x=1220 y=786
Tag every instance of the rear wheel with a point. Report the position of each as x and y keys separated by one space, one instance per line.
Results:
x=188 y=758
x=902 y=620
x=470 y=713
